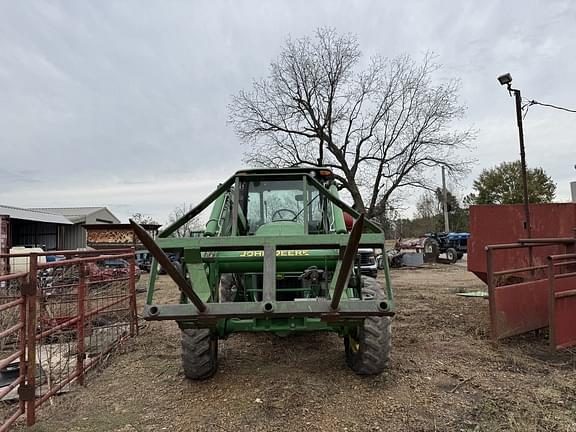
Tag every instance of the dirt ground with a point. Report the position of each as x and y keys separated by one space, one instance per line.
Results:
x=444 y=375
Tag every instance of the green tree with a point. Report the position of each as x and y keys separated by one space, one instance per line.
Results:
x=457 y=212
x=503 y=185
x=451 y=200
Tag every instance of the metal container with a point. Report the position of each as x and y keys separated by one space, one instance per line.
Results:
x=500 y=224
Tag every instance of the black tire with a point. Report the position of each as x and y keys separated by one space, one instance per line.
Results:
x=368 y=350
x=451 y=255
x=460 y=255
x=199 y=349
x=199 y=353
x=431 y=250
x=226 y=288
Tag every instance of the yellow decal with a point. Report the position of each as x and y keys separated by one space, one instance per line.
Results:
x=284 y=253
x=257 y=253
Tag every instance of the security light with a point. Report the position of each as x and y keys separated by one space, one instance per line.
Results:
x=505 y=79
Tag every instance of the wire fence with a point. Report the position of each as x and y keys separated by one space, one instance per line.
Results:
x=12 y=345
x=58 y=320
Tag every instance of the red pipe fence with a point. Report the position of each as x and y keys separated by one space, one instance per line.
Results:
x=58 y=320
x=541 y=295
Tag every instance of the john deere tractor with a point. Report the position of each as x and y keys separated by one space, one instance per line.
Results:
x=275 y=257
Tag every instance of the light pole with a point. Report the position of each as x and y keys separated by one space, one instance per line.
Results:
x=506 y=80
x=445 y=202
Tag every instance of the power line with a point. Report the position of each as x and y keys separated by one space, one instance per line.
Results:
x=533 y=102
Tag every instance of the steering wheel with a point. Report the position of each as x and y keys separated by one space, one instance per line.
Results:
x=277 y=213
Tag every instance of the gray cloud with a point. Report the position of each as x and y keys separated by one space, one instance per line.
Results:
x=124 y=103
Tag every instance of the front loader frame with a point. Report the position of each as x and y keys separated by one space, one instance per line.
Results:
x=198 y=307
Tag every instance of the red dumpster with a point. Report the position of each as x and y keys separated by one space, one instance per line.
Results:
x=499 y=224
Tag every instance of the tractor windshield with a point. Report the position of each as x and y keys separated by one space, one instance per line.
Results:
x=281 y=200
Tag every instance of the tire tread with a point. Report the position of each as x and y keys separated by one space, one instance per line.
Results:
x=374 y=337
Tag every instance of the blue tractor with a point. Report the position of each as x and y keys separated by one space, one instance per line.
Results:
x=454 y=245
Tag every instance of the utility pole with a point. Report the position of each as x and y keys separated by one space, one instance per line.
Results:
x=506 y=80
x=518 y=97
x=445 y=202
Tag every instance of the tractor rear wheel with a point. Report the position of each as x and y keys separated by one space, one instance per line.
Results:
x=199 y=353
x=368 y=347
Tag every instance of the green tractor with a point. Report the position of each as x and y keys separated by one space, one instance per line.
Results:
x=275 y=256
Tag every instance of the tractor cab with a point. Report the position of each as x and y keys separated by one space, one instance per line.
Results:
x=283 y=202
x=279 y=206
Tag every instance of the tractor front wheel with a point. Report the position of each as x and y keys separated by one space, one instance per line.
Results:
x=199 y=353
x=452 y=255
x=368 y=346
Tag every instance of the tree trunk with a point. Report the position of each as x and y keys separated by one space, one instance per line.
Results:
x=356 y=196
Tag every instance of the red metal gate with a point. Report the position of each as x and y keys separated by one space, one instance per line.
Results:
x=534 y=296
x=518 y=297
x=59 y=319
x=562 y=300
x=12 y=341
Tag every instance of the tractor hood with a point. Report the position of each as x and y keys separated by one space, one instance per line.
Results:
x=280 y=228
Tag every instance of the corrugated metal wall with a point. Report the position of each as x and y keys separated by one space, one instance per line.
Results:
x=73 y=237
x=38 y=234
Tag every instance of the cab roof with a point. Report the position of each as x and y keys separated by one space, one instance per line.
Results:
x=316 y=171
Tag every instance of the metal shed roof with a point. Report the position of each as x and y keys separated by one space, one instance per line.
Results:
x=76 y=214
x=33 y=215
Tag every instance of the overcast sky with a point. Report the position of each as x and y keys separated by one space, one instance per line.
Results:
x=124 y=103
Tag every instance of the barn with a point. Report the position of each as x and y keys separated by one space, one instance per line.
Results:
x=74 y=235
x=49 y=228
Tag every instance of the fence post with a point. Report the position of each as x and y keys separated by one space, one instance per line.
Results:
x=570 y=248
x=22 y=344
x=551 y=306
x=32 y=289
x=132 y=289
x=81 y=323
x=491 y=294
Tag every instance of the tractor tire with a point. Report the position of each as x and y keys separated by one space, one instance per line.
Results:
x=451 y=255
x=431 y=250
x=179 y=267
x=368 y=350
x=199 y=353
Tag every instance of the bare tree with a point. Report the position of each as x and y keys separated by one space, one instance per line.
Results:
x=427 y=206
x=380 y=129
x=144 y=219
x=188 y=228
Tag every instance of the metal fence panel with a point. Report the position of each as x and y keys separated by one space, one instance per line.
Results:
x=69 y=315
x=12 y=347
